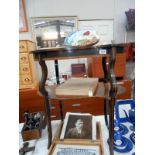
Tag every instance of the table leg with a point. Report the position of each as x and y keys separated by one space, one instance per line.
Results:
x=46 y=99
x=113 y=92
x=61 y=110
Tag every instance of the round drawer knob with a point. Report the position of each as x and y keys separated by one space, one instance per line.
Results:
x=25 y=69
x=21 y=46
x=26 y=79
x=23 y=58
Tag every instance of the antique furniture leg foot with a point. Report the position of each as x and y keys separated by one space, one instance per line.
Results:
x=46 y=99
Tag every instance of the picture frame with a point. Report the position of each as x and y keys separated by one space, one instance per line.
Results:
x=82 y=149
x=71 y=123
x=103 y=27
x=49 y=32
x=23 y=27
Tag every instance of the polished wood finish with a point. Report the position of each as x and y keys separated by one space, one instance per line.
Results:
x=95 y=66
x=27 y=75
x=30 y=99
x=68 y=52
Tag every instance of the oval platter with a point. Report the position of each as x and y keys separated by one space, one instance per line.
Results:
x=82 y=38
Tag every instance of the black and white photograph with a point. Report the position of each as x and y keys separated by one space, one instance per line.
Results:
x=61 y=149
x=78 y=126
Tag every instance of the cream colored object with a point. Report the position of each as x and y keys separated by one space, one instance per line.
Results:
x=27 y=78
x=78 y=87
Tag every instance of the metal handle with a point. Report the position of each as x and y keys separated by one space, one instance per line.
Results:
x=76 y=105
x=52 y=107
x=120 y=82
x=53 y=116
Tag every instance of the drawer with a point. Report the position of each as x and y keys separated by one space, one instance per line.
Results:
x=55 y=110
x=93 y=105
x=24 y=69
x=121 y=57
x=127 y=84
x=119 y=70
x=23 y=58
x=26 y=79
x=23 y=46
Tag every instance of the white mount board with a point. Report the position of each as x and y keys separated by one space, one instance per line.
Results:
x=104 y=28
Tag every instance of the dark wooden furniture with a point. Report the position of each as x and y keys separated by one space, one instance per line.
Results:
x=109 y=90
x=29 y=99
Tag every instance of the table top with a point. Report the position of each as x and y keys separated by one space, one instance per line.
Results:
x=66 y=52
x=41 y=144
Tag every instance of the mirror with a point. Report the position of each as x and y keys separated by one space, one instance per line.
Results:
x=51 y=31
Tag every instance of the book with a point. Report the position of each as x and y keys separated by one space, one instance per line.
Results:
x=77 y=87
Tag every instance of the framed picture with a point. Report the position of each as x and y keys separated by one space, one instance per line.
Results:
x=79 y=126
x=68 y=149
x=22 y=17
x=103 y=27
x=50 y=32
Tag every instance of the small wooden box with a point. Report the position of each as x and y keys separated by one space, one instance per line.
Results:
x=34 y=133
x=31 y=134
x=97 y=142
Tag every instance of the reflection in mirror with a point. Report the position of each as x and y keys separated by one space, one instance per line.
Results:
x=51 y=31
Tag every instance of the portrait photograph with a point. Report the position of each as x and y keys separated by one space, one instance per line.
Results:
x=79 y=126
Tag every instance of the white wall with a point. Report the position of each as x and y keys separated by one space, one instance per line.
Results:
x=84 y=9
x=120 y=21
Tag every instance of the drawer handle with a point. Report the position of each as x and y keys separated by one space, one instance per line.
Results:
x=52 y=107
x=21 y=46
x=120 y=82
x=26 y=79
x=23 y=58
x=53 y=116
x=25 y=69
x=76 y=105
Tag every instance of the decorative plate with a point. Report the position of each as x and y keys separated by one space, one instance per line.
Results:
x=122 y=145
x=121 y=128
x=81 y=38
x=121 y=107
x=126 y=145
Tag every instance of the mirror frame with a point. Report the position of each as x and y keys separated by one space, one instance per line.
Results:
x=32 y=19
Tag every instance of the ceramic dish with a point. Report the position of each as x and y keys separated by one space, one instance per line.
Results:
x=122 y=108
x=132 y=137
x=121 y=128
x=81 y=38
x=125 y=147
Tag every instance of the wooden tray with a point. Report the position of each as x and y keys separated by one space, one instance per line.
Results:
x=97 y=142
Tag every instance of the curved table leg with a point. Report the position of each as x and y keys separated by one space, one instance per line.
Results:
x=105 y=79
x=113 y=93
x=46 y=99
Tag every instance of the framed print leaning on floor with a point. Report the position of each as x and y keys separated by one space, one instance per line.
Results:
x=22 y=17
x=66 y=149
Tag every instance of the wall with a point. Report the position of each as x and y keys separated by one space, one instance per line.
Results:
x=120 y=21
x=84 y=9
